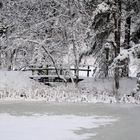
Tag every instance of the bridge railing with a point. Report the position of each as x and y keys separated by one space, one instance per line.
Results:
x=49 y=70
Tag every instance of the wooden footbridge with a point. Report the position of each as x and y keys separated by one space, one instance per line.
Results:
x=48 y=74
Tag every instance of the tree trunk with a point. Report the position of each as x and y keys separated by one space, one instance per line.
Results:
x=117 y=38
x=107 y=61
x=127 y=32
x=76 y=63
x=126 y=43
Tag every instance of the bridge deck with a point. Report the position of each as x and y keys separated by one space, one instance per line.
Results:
x=54 y=78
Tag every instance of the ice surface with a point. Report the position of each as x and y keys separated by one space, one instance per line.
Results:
x=65 y=127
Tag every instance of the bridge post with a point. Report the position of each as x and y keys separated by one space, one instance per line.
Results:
x=61 y=71
x=88 y=71
x=47 y=72
x=33 y=72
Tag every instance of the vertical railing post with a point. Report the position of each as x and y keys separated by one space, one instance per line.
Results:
x=74 y=70
x=61 y=71
x=47 y=72
x=33 y=72
x=88 y=71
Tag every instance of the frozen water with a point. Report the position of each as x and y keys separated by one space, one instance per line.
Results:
x=48 y=127
x=35 y=121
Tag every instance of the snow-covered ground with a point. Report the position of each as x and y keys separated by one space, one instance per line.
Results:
x=16 y=85
x=101 y=85
x=16 y=80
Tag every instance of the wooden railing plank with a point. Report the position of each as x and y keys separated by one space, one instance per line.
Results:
x=73 y=69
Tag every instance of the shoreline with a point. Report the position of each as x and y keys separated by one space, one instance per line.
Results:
x=16 y=101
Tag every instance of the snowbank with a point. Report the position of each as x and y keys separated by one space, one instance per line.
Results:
x=16 y=80
x=101 y=85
